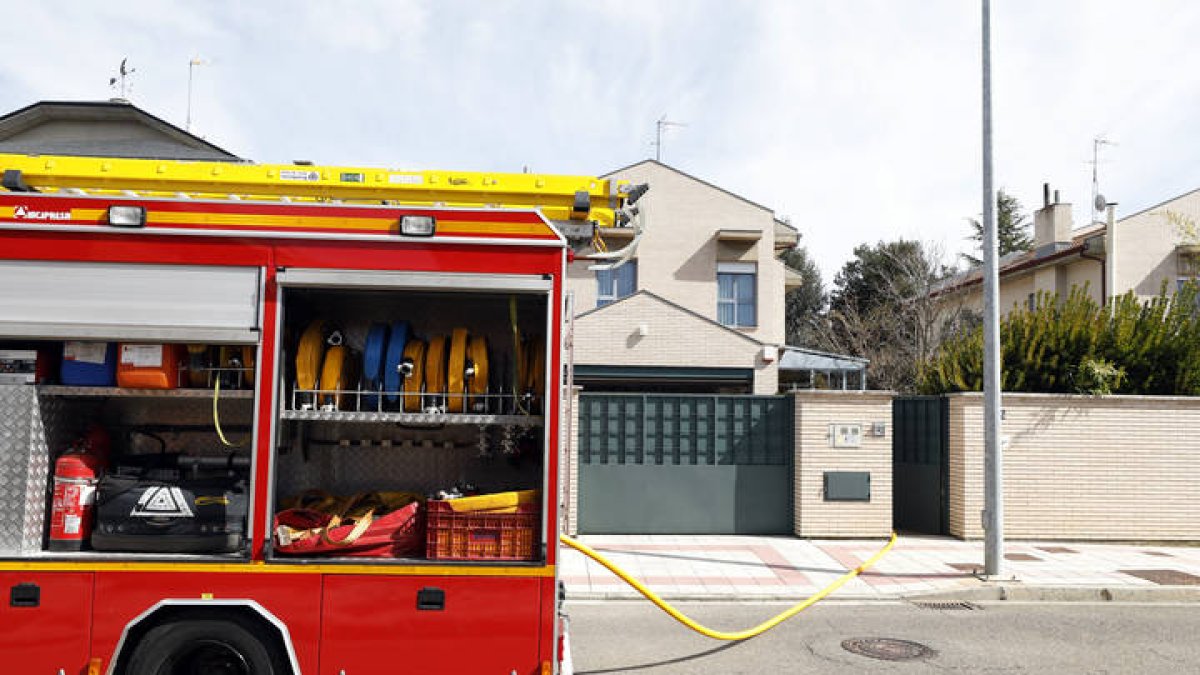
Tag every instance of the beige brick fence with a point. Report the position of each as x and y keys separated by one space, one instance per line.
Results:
x=1075 y=467
x=816 y=411
x=1082 y=467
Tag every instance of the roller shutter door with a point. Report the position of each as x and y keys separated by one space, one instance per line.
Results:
x=107 y=301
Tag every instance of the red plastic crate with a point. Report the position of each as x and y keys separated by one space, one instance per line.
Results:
x=450 y=535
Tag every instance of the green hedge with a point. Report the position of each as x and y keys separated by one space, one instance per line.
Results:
x=1074 y=345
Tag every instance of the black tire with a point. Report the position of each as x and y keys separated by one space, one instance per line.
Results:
x=204 y=647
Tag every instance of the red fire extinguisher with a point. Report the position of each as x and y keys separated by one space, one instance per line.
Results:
x=76 y=475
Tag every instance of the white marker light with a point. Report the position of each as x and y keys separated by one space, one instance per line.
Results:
x=127 y=216
x=417 y=226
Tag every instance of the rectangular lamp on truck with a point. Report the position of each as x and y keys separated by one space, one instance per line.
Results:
x=127 y=216
x=417 y=226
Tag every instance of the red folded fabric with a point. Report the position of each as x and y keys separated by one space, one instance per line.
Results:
x=397 y=534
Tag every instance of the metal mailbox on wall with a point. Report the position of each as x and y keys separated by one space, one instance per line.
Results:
x=847 y=486
x=845 y=435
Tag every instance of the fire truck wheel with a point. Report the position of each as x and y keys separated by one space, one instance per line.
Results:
x=204 y=647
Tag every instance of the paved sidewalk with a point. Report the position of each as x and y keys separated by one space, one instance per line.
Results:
x=787 y=568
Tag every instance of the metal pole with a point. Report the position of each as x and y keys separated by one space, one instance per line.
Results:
x=993 y=514
x=1110 y=251
x=188 y=125
x=658 y=128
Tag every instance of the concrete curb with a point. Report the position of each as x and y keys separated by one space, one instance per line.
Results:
x=998 y=593
x=727 y=598
x=1033 y=593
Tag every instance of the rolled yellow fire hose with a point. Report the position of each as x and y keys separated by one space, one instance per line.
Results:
x=456 y=389
x=722 y=635
x=414 y=353
x=535 y=365
x=331 y=376
x=477 y=352
x=309 y=354
x=435 y=365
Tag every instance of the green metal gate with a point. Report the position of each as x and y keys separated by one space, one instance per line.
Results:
x=920 y=464
x=685 y=464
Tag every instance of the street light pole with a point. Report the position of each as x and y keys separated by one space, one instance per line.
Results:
x=993 y=514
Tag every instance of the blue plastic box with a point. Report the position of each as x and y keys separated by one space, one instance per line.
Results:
x=89 y=364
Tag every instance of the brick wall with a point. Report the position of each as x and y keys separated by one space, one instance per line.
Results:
x=1081 y=467
x=673 y=338
x=815 y=411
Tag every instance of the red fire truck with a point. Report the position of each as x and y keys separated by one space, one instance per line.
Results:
x=283 y=419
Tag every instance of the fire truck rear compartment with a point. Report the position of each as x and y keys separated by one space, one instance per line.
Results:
x=413 y=433
x=164 y=436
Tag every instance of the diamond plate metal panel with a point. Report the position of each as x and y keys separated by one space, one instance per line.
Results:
x=24 y=463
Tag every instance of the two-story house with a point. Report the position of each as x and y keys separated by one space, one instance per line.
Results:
x=1155 y=246
x=701 y=306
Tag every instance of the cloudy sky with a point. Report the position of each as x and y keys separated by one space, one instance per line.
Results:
x=857 y=120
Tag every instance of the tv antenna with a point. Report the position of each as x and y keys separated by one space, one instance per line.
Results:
x=123 y=77
x=1098 y=203
x=660 y=126
x=195 y=61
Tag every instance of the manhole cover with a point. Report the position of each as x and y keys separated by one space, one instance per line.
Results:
x=887 y=649
x=948 y=605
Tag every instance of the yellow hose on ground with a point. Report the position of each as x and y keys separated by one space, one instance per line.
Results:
x=716 y=634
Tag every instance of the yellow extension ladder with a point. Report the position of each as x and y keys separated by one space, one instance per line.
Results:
x=561 y=198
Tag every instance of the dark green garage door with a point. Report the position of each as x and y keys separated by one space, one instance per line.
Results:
x=685 y=464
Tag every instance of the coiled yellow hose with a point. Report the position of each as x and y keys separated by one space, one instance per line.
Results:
x=716 y=634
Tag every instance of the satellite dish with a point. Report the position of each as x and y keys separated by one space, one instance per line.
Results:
x=1101 y=202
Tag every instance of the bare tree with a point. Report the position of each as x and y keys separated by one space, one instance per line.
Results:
x=886 y=308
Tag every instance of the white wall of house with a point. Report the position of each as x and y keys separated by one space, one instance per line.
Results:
x=678 y=255
x=1084 y=271
x=1146 y=243
x=1015 y=292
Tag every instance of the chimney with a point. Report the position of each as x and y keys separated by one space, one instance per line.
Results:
x=1052 y=225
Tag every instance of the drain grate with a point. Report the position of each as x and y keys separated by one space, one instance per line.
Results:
x=887 y=649
x=948 y=605
x=1165 y=577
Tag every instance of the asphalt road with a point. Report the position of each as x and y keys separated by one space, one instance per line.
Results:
x=628 y=637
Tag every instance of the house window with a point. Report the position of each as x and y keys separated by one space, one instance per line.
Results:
x=1181 y=282
x=614 y=284
x=737 y=294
